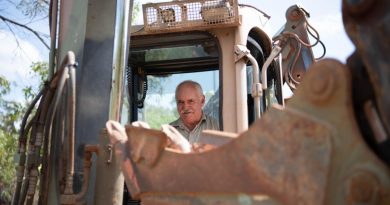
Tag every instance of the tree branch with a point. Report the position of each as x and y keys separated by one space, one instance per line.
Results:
x=25 y=27
x=13 y=33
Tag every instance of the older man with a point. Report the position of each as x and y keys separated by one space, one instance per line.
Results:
x=190 y=100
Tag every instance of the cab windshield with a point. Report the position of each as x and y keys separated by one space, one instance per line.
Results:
x=158 y=65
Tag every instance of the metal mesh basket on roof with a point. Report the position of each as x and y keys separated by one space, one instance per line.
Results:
x=194 y=14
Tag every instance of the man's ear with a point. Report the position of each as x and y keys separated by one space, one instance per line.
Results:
x=203 y=99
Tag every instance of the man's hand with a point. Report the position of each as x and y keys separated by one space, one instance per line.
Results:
x=176 y=140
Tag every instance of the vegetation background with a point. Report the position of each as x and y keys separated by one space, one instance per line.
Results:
x=12 y=109
x=18 y=18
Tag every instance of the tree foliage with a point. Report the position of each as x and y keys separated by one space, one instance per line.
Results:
x=158 y=115
x=11 y=114
x=33 y=9
x=12 y=111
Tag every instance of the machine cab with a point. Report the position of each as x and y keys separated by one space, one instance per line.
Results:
x=202 y=42
x=159 y=63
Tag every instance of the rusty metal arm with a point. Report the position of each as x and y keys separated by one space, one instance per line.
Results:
x=295 y=44
x=304 y=159
x=216 y=138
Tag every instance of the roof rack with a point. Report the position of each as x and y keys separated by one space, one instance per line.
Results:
x=194 y=14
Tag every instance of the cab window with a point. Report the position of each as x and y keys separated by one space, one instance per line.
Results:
x=158 y=64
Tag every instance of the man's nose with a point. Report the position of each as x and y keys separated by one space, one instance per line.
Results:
x=186 y=105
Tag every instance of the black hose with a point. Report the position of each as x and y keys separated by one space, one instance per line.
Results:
x=134 y=98
x=38 y=132
x=318 y=38
x=22 y=143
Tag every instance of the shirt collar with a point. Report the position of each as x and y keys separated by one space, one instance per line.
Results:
x=179 y=123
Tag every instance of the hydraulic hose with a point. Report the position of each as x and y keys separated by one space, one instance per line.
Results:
x=38 y=131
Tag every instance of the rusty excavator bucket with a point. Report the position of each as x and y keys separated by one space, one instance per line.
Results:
x=314 y=150
x=307 y=159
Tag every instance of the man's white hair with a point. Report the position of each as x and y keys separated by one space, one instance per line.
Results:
x=192 y=83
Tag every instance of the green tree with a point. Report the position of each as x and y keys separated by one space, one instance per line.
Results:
x=11 y=114
x=9 y=111
x=157 y=115
x=136 y=9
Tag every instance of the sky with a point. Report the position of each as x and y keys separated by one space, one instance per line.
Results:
x=15 y=62
x=20 y=48
x=325 y=16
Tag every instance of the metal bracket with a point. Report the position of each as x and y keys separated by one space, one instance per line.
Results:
x=241 y=51
x=257 y=90
x=110 y=149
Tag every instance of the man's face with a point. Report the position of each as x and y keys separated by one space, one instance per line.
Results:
x=189 y=105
